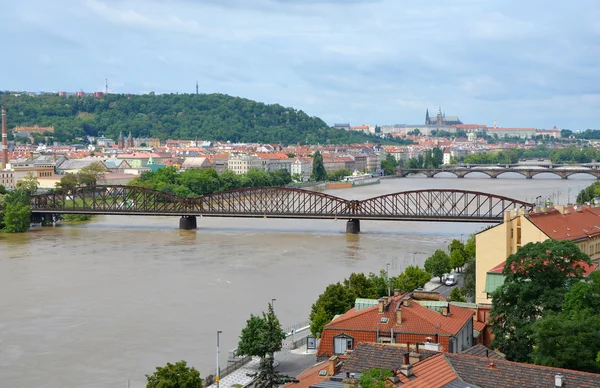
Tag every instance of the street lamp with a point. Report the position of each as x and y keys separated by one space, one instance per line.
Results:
x=273 y=304
x=218 y=378
x=387 y=274
x=461 y=237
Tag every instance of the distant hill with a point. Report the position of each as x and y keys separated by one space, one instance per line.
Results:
x=173 y=116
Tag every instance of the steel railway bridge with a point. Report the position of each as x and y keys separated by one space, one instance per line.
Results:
x=278 y=202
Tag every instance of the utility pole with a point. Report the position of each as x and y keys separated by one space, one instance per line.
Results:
x=218 y=378
x=387 y=274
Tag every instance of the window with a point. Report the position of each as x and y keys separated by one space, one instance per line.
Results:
x=342 y=343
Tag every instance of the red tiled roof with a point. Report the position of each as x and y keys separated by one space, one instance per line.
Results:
x=309 y=376
x=432 y=372
x=511 y=129
x=572 y=225
x=415 y=319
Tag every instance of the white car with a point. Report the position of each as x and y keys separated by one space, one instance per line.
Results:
x=450 y=280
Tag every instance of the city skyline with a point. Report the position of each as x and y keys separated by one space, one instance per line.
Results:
x=521 y=65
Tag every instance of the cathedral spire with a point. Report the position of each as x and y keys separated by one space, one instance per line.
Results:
x=427 y=117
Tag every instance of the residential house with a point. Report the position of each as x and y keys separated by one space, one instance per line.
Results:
x=196 y=162
x=302 y=167
x=241 y=164
x=275 y=161
x=399 y=319
x=373 y=162
x=140 y=159
x=219 y=162
x=580 y=224
x=73 y=166
x=116 y=165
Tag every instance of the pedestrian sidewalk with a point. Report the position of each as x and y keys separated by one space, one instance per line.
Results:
x=239 y=378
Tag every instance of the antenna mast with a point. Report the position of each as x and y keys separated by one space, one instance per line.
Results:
x=196 y=87
x=106 y=86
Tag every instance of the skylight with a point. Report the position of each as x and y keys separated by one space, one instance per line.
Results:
x=384 y=320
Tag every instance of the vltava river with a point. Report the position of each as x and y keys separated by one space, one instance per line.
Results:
x=98 y=304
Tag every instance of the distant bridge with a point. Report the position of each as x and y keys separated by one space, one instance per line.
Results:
x=279 y=202
x=494 y=171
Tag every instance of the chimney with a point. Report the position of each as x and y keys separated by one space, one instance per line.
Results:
x=406 y=301
x=415 y=356
x=4 y=140
x=381 y=305
x=396 y=292
x=406 y=368
x=446 y=310
x=558 y=381
x=399 y=316
x=331 y=364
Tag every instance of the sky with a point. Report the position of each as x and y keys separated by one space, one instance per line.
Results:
x=518 y=63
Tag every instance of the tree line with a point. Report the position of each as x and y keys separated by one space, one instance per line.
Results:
x=216 y=117
x=197 y=182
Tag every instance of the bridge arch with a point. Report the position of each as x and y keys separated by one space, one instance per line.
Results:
x=438 y=204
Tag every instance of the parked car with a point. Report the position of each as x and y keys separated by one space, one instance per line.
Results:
x=450 y=280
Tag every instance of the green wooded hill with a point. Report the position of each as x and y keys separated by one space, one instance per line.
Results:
x=173 y=116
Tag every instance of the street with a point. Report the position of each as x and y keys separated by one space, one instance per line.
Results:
x=445 y=290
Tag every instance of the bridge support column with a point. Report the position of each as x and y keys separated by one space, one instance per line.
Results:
x=353 y=226
x=188 y=223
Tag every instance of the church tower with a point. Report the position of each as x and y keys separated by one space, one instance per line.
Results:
x=440 y=117
x=120 y=142
x=427 y=117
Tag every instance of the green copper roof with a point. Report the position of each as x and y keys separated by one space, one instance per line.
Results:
x=493 y=281
x=362 y=303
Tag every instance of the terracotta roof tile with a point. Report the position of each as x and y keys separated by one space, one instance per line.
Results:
x=431 y=373
x=505 y=374
x=309 y=376
x=383 y=356
x=574 y=225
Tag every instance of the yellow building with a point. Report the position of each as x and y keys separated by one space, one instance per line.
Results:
x=580 y=224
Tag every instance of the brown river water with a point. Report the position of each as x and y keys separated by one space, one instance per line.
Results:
x=100 y=303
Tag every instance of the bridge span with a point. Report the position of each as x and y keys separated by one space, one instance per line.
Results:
x=495 y=171
x=279 y=202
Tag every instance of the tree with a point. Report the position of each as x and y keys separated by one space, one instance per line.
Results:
x=2 y=190
x=91 y=175
x=177 y=375
x=389 y=164
x=336 y=299
x=457 y=258
x=438 y=264
x=28 y=185
x=412 y=278
x=318 y=170
x=375 y=378
x=361 y=286
x=268 y=340
x=571 y=338
x=469 y=277
x=67 y=182
x=537 y=278
x=261 y=336
x=456 y=295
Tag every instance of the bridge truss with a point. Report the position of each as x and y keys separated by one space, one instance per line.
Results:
x=279 y=202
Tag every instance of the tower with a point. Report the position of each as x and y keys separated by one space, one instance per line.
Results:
x=427 y=117
x=440 y=117
x=120 y=142
x=4 y=139
x=196 y=87
x=106 y=86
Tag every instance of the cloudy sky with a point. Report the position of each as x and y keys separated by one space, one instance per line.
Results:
x=520 y=63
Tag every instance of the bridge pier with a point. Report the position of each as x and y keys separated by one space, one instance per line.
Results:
x=353 y=226
x=188 y=223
